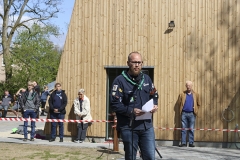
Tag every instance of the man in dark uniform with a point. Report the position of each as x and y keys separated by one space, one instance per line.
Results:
x=131 y=90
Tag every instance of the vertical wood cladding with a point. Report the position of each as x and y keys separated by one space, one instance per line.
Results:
x=203 y=47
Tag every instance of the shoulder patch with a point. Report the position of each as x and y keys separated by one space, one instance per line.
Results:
x=115 y=87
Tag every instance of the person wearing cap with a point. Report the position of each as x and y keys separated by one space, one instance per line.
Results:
x=57 y=104
x=29 y=103
x=82 y=111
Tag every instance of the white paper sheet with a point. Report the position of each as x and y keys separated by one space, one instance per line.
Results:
x=146 y=108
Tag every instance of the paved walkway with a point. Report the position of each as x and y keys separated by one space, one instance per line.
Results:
x=167 y=152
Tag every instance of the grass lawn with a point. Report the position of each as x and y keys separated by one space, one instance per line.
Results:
x=15 y=151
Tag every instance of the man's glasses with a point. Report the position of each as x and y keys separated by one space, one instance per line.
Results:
x=137 y=62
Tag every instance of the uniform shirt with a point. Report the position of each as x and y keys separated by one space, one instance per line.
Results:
x=127 y=94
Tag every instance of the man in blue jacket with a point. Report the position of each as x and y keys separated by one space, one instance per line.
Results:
x=130 y=91
x=57 y=109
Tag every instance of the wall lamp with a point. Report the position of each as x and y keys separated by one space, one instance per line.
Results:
x=171 y=24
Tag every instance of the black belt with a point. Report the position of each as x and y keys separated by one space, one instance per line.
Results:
x=187 y=111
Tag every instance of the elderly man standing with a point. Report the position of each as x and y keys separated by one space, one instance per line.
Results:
x=188 y=102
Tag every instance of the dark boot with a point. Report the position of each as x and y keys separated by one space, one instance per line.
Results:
x=4 y=114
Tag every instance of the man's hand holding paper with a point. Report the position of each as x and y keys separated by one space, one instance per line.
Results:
x=138 y=112
x=147 y=110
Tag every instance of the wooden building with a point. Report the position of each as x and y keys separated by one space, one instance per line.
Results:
x=204 y=46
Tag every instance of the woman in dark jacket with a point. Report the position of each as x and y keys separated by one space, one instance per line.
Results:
x=57 y=104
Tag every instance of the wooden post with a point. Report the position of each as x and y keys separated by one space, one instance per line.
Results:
x=115 y=135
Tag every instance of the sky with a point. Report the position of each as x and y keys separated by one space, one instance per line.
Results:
x=63 y=20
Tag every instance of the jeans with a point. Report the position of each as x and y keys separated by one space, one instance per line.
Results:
x=188 y=121
x=54 y=125
x=145 y=139
x=4 y=107
x=31 y=114
x=5 y=111
x=16 y=106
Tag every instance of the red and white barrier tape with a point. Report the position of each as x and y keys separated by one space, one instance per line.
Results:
x=199 y=129
x=50 y=120
x=75 y=121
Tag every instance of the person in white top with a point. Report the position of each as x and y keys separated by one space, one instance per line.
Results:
x=82 y=112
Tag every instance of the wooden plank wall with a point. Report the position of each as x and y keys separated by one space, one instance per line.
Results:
x=203 y=47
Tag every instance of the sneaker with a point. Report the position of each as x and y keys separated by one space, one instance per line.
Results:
x=182 y=145
x=25 y=139
x=61 y=140
x=32 y=139
x=51 y=140
x=191 y=145
x=76 y=141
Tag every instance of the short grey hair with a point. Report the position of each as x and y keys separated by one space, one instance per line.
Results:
x=189 y=82
x=81 y=91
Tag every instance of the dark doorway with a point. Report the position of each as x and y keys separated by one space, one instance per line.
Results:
x=112 y=73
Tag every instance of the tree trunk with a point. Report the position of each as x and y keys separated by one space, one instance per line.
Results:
x=8 y=67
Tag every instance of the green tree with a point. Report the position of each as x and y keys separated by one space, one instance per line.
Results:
x=34 y=57
x=17 y=14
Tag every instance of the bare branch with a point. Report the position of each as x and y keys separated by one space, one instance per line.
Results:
x=21 y=25
x=18 y=20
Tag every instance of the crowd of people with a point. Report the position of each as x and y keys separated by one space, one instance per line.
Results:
x=130 y=91
x=31 y=102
